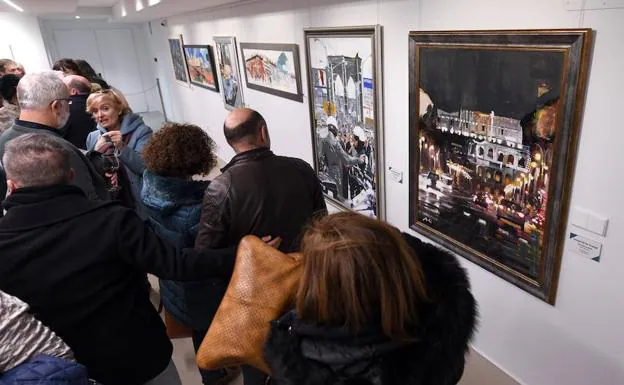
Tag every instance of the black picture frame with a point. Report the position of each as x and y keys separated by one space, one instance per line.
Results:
x=209 y=52
x=251 y=51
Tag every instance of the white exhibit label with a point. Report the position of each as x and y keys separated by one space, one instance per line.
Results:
x=395 y=175
x=585 y=247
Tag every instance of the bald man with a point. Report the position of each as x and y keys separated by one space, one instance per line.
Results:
x=257 y=193
x=80 y=123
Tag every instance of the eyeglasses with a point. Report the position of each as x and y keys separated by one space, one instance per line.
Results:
x=68 y=100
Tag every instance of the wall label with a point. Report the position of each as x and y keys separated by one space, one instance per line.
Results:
x=395 y=175
x=585 y=247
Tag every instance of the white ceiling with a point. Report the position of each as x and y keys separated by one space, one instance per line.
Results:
x=112 y=9
x=97 y=3
x=167 y=8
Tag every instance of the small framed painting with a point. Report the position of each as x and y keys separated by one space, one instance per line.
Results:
x=274 y=69
x=177 y=57
x=201 y=66
x=229 y=73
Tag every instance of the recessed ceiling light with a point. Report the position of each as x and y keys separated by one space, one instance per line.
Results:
x=139 y=5
x=123 y=11
x=77 y=17
x=12 y=4
x=152 y=2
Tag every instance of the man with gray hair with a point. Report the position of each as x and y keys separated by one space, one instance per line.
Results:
x=44 y=103
x=81 y=266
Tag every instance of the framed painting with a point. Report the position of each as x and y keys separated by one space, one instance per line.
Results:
x=345 y=88
x=176 y=46
x=494 y=124
x=201 y=66
x=229 y=73
x=273 y=68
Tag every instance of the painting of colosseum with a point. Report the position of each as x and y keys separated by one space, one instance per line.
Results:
x=485 y=149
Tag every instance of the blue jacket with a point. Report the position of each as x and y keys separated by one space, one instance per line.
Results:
x=46 y=370
x=174 y=209
x=139 y=134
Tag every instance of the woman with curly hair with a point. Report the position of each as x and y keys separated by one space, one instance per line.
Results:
x=173 y=201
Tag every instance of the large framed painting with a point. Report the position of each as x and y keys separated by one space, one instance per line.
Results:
x=345 y=88
x=273 y=68
x=494 y=123
x=229 y=73
x=201 y=66
x=177 y=56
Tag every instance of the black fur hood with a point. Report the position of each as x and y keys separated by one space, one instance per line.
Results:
x=305 y=354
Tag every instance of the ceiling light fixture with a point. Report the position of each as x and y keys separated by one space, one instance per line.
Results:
x=139 y=5
x=123 y=11
x=77 y=17
x=152 y=2
x=12 y=4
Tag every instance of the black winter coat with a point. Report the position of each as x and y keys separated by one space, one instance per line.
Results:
x=310 y=354
x=81 y=267
x=80 y=122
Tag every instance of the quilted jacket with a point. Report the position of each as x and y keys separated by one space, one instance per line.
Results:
x=46 y=370
x=174 y=208
x=23 y=337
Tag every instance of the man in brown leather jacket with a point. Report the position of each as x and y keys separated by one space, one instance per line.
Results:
x=258 y=193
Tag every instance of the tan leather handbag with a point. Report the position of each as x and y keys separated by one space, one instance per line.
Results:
x=176 y=329
x=262 y=288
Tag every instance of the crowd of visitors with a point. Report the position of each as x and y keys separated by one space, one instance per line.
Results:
x=93 y=201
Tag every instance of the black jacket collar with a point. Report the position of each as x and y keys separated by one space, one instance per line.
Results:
x=34 y=207
x=37 y=126
x=247 y=156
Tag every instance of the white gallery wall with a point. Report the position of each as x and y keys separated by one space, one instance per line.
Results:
x=579 y=341
x=119 y=51
x=20 y=40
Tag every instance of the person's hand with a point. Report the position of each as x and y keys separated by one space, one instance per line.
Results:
x=113 y=178
x=116 y=137
x=273 y=242
x=102 y=145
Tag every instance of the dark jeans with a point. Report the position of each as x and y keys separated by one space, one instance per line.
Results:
x=208 y=376
x=253 y=376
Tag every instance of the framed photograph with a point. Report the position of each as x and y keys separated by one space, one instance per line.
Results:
x=231 y=85
x=494 y=124
x=345 y=88
x=274 y=69
x=177 y=56
x=201 y=66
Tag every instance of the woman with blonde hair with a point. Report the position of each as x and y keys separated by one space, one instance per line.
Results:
x=373 y=307
x=120 y=135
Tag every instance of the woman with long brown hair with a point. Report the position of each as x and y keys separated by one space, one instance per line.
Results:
x=373 y=307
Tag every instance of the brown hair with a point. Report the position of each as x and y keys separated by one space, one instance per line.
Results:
x=115 y=96
x=180 y=151
x=67 y=64
x=360 y=273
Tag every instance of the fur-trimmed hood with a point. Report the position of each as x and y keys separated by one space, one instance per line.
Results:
x=308 y=354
